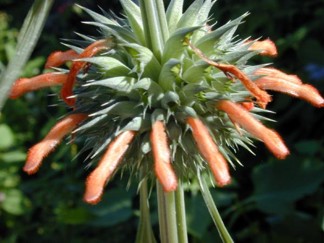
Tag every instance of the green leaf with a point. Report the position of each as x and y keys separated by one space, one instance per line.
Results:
x=14 y=202
x=91 y=123
x=279 y=184
x=123 y=34
x=110 y=65
x=189 y=17
x=134 y=18
x=174 y=47
x=173 y=14
x=8 y=177
x=98 y=17
x=202 y=18
x=170 y=97
x=196 y=72
x=309 y=147
x=148 y=65
x=13 y=156
x=134 y=125
x=28 y=36
x=198 y=211
x=124 y=84
x=155 y=93
x=190 y=92
x=7 y=137
x=207 y=43
x=124 y=109
x=167 y=79
x=115 y=208
x=73 y=216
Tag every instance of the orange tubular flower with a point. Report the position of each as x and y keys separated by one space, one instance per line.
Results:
x=266 y=47
x=110 y=160
x=263 y=97
x=290 y=86
x=241 y=116
x=209 y=151
x=90 y=51
x=24 y=85
x=39 y=151
x=58 y=58
x=275 y=73
x=162 y=157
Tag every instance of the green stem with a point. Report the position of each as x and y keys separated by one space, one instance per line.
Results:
x=167 y=215
x=144 y=233
x=181 y=214
x=27 y=39
x=224 y=234
x=154 y=22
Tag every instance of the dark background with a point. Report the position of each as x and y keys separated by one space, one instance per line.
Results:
x=269 y=201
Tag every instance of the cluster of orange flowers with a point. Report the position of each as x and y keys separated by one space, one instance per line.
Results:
x=267 y=79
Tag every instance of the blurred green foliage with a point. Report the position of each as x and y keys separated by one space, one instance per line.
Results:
x=269 y=201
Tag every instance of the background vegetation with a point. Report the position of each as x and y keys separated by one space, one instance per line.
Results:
x=269 y=201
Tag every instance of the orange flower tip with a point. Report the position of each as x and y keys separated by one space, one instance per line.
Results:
x=226 y=180
x=275 y=144
x=17 y=90
x=281 y=153
x=312 y=95
x=94 y=191
x=31 y=166
x=267 y=48
x=247 y=105
x=92 y=199
x=171 y=187
x=34 y=159
x=222 y=175
x=169 y=184
x=277 y=74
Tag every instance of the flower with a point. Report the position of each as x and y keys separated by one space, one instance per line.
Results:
x=168 y=108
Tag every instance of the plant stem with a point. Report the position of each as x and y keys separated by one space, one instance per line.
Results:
x=154 y=25
x=144 y=233
x=167 y=215
x=224 y=234
x=181 y=215
x=27 y=39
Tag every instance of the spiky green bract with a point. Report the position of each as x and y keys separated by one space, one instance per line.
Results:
x=129 y=87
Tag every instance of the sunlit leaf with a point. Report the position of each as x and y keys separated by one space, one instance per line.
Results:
x=14 y=202
x=6 y=135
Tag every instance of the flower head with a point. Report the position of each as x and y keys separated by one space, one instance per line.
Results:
x=170 y=109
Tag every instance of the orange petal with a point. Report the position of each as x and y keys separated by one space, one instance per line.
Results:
x=162 y=157
x=58 y=58
x=39 y=151
x=266 y=47
x=90 y=51
x=241 y=116
x=24 y=85
x=302 y=91
x=107 y=166
x=209 y=151
x=275 y=73
x=247 y=105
